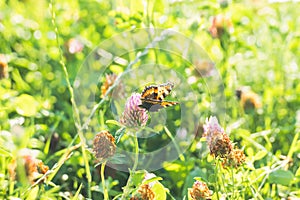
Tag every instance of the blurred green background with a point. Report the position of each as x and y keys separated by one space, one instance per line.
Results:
x=250 y=43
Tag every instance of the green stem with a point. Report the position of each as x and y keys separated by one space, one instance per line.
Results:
x=73 y=102
x=180 y=154
x=132 y=171
x=233 y=189
x=217 y=180
x=105 y=192
x=136 y=159
x=221 y=175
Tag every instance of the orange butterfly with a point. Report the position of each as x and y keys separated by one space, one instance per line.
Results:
x=153 y=97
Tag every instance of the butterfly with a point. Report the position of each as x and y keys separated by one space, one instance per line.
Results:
x=153 y=96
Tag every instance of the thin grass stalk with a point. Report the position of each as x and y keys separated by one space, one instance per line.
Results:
x=73 y=102
x=180 y=154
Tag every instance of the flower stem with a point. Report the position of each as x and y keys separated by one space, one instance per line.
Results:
x=136 y=159
x=105 y=192
x=217 y=179
x=233 y=189
x=132 y=171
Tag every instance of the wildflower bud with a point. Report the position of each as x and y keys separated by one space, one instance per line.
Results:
x=133 y=115
x=220 y=25
x=109 y=81
x=3 y=67
x=199 y=191
x=104 y=145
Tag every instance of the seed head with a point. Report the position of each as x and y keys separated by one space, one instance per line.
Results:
x=144 y=193
x=235 y=159
x=104 y=145
x=199 y=191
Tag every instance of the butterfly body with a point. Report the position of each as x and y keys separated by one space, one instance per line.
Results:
x=153 y=96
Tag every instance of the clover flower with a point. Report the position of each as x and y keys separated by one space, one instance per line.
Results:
x=200 y=191
x=34 y=168
x=133 y=115
x=144 y=193
x=220 y=144
x=217 y=140
x=104 y=145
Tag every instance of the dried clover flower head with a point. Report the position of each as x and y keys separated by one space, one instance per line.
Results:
x=133 y=115
x=217 y=140
x=220 y=144
x=3 y=67
x=104 y=145
x=248 y=98
x=33 y=167
x=235 y=159
x=199 y=191
x=144 y=193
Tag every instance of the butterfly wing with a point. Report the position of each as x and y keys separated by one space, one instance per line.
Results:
x=153 y=97
x=157 y=92
x=154 y=105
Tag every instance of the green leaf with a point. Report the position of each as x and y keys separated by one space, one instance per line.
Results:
x=113 y=122
x=117 y=159
x=116 y=69
x=281 y=177
x=5 y=153
x=119 y=134
x=33 y=193
x=157 y=178
x=138 y=177
x=21 y=85
x=26 y=105
x=259 y=155
x=159 y=191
